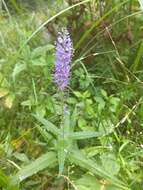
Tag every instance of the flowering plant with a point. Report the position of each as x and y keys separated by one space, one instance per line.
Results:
x=64 y=52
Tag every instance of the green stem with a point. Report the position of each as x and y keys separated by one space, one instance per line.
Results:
x=62 y=115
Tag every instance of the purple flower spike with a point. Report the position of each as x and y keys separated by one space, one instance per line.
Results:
x=64 y=52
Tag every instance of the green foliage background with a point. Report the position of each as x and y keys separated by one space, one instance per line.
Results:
x=103 y=144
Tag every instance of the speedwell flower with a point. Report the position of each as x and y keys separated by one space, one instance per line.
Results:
x=64 y=52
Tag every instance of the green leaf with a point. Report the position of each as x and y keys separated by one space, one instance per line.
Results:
x=3 y=92
x=90 y=134
x=27 y=103
x=74 y=117
x=112 y=187
x=66 y=124
x=9 y=101
x=44 y=161
x=64 y=142
x=39 y=61
x=78 y=94
x=5 y=182
x=85 y=135
x=88 y=182
x=61 y=155
x=21 y=156
x=18 y=69
x=94 y=150
x=141 y=4
x=82 y=187
x=41 y=50
x=101 y=103
x=82 y=122
x=91 y=182
x=47 y=137
x=48 y=125
x=3 y=179
x=80 y=159
x=109 y=163
x=138 y=58
x=114 y=101
x=104 y=93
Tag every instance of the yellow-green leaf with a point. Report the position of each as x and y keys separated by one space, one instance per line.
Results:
x=3 y=92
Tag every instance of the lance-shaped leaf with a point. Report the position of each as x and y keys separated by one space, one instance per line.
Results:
x=61 y=155
x=89 y=134
x=80 y=159
x=64 y=142
x=85 y=135
x=46 y=160
x=48 y=125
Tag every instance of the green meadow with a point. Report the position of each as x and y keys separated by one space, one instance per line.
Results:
x=89 y=135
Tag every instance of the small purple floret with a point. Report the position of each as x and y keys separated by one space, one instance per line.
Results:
x=64 y=52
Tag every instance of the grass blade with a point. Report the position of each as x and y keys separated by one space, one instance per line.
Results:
x=52 y=18
x=95 y=24
x=5 y=182
x=138 y=57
